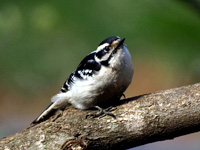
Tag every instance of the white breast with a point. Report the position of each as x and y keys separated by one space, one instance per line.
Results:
x=107 y=83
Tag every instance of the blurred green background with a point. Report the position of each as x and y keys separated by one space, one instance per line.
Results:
x=42 y=42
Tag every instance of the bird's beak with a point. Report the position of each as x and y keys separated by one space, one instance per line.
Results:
x=120 y=43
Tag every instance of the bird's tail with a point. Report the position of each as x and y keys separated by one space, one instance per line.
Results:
x=48 y=112
x=59 y=101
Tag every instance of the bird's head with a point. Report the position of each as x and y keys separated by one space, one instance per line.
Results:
x=109 y=49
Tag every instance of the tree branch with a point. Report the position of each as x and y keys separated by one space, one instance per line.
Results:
x=148 y=118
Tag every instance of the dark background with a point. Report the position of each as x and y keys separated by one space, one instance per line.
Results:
x=41 y=43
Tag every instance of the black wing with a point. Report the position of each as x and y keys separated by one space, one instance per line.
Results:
x=87 y=67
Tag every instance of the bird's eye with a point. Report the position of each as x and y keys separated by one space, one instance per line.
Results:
x=106 y=48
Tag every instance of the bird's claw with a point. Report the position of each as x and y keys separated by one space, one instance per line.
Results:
x=101 y=112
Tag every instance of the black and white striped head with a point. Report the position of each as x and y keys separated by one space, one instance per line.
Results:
x=109 y=48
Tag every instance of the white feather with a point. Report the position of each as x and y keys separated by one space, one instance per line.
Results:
x=105 y=84
x=101 y=87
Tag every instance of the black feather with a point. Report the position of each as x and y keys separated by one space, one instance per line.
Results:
x=109 y=40
x=88 y=63
x=51 y=113
x=100 y=54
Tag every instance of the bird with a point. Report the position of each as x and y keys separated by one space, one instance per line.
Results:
x=99 y=80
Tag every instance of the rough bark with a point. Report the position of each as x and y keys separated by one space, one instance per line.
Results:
x=147 y=118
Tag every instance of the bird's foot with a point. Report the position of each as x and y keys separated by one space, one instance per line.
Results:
x=101 y=112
